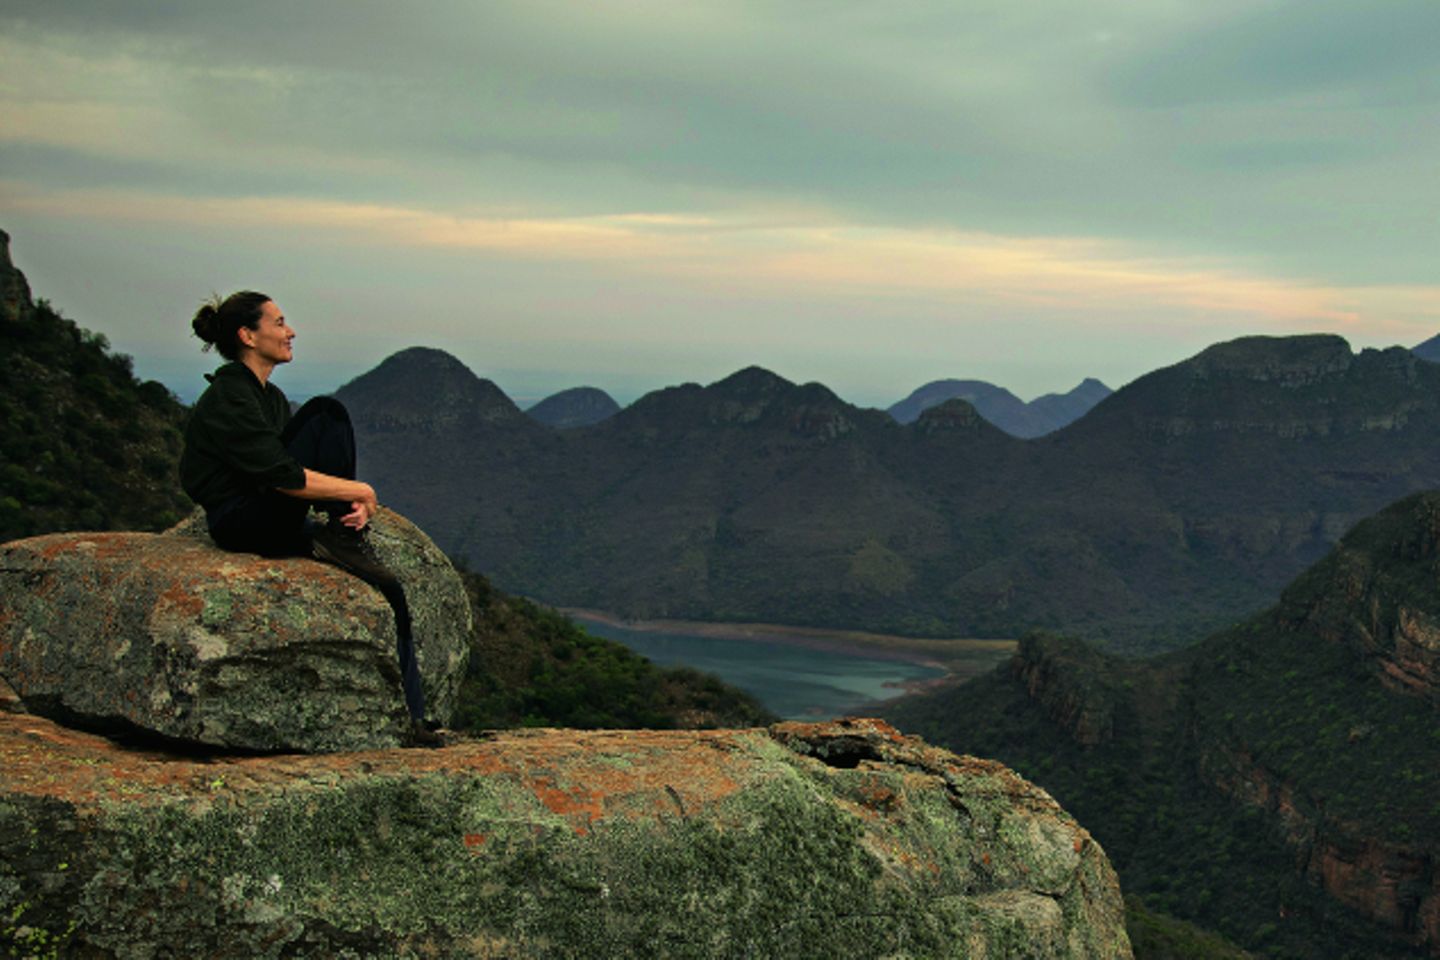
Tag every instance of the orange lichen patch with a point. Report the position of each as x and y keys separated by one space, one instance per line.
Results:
x=915 y=863
x=102 y=545
x=1079 y=843
x=879 y=798
x=474 y=840
x=623 y=773
x=183 y=600
x=870 y=727
x=576 y=805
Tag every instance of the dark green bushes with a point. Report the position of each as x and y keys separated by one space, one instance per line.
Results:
x=531 y=666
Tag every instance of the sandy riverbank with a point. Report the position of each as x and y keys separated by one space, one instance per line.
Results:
x=959 y=658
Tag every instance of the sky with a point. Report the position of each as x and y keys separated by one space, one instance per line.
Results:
x=634 y=194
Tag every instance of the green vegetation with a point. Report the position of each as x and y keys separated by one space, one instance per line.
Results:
x=1155 y=936
x=1180 y=765
x=84 y=445
x=1183 y=849
x=531 y=666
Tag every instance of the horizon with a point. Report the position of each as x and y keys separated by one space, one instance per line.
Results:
x=638 y=195
x=311 y=382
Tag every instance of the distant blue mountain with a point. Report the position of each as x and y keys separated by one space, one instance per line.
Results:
x=1429 y=350
x=1002 y=408
x=576 y=407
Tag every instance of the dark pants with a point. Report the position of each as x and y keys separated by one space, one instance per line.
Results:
x=319 y=436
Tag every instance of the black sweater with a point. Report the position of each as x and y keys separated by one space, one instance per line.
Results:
x=232 y=440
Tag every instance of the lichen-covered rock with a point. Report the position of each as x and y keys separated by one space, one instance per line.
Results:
x=439 y=608
x=170 y=635
x=832 y=840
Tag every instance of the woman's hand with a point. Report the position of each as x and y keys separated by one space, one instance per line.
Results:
x=362 y=508
x=322 y=486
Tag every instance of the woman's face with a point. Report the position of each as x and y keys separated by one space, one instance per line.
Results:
x=271 y=337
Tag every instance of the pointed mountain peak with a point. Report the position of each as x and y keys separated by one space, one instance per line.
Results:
x=425 y=387
x=425 y=361
x=751 y=382
x=751 y=394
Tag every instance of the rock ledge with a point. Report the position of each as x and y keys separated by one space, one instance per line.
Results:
x=829 y=840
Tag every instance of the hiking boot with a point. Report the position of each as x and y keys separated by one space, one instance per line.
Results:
x=422 y=736
x=350 y=549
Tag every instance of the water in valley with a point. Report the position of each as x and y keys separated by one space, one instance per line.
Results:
x=796 y=682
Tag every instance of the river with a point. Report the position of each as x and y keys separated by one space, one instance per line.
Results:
x=803 y=674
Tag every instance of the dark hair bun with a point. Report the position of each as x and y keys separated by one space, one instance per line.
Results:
x=207 y=323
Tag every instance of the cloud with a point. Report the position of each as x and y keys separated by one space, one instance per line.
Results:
x=1301 y=49
x=1037 y=176
x=1178 y=125
x=787 y=255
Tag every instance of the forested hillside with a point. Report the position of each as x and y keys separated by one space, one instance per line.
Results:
x=1277 y=782
x=84 y=445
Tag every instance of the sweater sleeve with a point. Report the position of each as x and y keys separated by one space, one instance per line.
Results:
x=247 y=440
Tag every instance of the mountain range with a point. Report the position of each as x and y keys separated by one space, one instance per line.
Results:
x=1277 y=781
x=1180 y=503
x=584 y=406
x=1002 y=408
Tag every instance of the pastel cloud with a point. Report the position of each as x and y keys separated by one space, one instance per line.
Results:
x=816 y=257
x=869 y=193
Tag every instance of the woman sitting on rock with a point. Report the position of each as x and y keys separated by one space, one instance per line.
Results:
x=257 y=470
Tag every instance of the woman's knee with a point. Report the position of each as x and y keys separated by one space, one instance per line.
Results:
x=322 y=406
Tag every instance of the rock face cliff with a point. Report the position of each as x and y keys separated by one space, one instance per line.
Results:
x=15 y=305
x=169 y=635
x=833 y=840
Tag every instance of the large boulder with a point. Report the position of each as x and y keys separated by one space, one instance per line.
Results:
x=167 y=634
x=832 y=840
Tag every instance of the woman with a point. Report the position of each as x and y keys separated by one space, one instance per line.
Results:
x=257 y=470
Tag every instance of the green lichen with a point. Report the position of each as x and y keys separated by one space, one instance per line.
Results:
x=297 y=615
x=218 y=605
x=804 y=861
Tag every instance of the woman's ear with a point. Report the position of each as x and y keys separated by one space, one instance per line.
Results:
x=246 y=336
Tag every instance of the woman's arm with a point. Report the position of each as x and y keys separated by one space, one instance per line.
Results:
x=323 y=486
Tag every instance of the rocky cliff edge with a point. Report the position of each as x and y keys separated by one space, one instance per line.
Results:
x=832 y=840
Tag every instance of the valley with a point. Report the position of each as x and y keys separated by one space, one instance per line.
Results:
x=801 y=673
